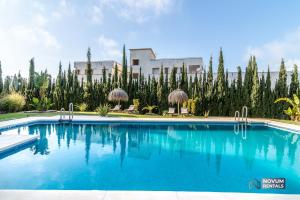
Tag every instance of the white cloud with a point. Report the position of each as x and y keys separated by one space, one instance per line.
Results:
x=24 y=36
x=287 y=47
x=109 y=48
x=97 y=15
x=64 y=8
x=138 y=11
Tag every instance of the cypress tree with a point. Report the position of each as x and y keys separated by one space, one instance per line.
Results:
x=1 y=79
x=31 y=74
x=160 y=88
x=184 y=79
x=261 y=97
x=115 y=77
x=104 y=75
x=255 y=89
x=248 y=84
x=210 y=83
x=204 y=92
x=221 y=83
x=190 y=90
x=195 y=86
x=239 y=89
x=268 y=100
x=281 y=89
x=59 y=88
x=130 y=85
x=294 y=86
x=69 y=95
x=7 y=83
x=88 y=90
x=173 y=84
x=227 y=103
x=89 y=71
x=124 y=70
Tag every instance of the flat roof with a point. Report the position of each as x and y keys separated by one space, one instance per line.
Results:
x=138 y=49
x=158 y=59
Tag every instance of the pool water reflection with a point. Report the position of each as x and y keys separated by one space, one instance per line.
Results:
x=157 y=156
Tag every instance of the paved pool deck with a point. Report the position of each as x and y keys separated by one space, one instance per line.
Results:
x=135 y=195
x=12 y=140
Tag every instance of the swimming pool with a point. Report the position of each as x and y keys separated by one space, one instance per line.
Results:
x=219 y=157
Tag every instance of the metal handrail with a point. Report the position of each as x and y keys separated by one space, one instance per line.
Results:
x=245 y=113
x=71 y=111
x=237 y=115
x=236 y=129
x=244 y=131
x=62 y=114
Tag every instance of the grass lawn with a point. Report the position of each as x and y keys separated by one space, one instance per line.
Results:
x=8 y=116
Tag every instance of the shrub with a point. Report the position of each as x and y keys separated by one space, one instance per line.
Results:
x=40 y=105
x=136 y=104
x=82 y=107
x=195 y=107
x=103 y=110
x=150 y=109
x=13 y=102
x=206 y=114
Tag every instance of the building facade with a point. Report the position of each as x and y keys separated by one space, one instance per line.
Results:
x=145 y=58
x=97 y=69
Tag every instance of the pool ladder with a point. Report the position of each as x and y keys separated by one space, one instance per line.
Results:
x=242 y=126
x=244 y=115
x=62 y=114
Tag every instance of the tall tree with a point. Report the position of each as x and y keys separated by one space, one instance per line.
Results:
x=210 y=83
x=31 y=74
x=239 y=89
x=281 y=89
x=247 y=88
x=1 y=79
x=221 y=83
x=294 y=86
x=184 y=79
x=124 y=70
x=255 y=89
x=268 y=100
x=173 y=84
x=261 y=97
x=88 y=92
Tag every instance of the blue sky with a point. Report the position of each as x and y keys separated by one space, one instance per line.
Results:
x=54 y=30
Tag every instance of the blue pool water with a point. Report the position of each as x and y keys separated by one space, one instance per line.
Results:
x=152 y=156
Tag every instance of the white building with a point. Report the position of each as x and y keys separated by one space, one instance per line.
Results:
x=97 y=69
x=150 y=65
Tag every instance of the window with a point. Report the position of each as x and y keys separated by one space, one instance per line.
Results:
x=135 y=62
x=193 y=69
x=86 y=71
x=155 y=70
x=166 y=70
x=135 y=75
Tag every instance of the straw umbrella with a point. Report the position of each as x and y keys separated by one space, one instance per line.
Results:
x=177 y=96
x=118 y=95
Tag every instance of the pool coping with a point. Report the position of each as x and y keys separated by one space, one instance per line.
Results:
x=89 y=118
x=124 y=195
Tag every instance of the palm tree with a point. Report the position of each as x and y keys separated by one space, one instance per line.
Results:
x=294 y=110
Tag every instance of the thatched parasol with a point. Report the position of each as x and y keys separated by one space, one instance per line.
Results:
x=118 y=95
x=177 y=96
